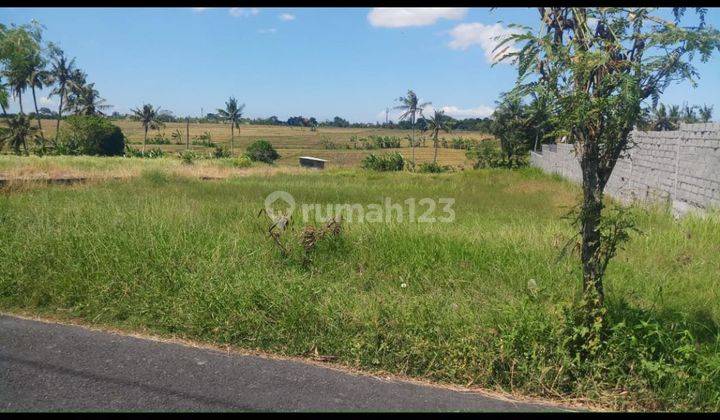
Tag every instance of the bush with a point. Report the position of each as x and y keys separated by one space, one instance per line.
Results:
x=488 y=155
x=153 y=153
x=386 y=142
x=177 y=136
x=204 y=139
x=242 y=161
x=433 y=168
x=375 y=142
x=187 y=157
x=331 y=145
x=158 y=139
x=220 y=152
x=388 y=162
x=460 y=143
x=262 y=151
x=90 y=135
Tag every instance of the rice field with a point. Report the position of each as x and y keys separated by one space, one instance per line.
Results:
x=292 y=142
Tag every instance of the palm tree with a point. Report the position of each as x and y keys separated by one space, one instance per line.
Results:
x=78 y=79
x=86 y=100
x=232 y=113
x=688 y=114
x=411 y=110
x=39 y=77
x=539 y=118
x=62 y=72
x=17 y=76
x=644 y=122
x=148 y=116
x=705 y=113
x=674 y=116
x=438 y=122
x=17 y=131
x=660 y=119
x=21 y=55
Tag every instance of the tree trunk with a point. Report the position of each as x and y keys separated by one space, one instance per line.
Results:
x=20 y=99
x=232 y=135
x=37 y=115
x=412 y=144
x=57 y=126
x=436 y=149
x=238 y=135
x=144 y=141
x=590 y=225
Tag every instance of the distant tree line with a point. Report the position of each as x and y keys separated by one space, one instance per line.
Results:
x=668 y=117
x=467 y=124
x=521 y=126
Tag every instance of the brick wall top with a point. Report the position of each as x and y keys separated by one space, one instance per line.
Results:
x=681 y=166
x=700 y=127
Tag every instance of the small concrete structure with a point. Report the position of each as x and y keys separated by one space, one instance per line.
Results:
x=312 y=162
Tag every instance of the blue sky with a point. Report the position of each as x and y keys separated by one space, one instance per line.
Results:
x=351 y=62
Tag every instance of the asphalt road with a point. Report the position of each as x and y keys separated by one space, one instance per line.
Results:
x=46 y=366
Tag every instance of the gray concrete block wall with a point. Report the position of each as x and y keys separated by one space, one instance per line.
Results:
x=681 y=167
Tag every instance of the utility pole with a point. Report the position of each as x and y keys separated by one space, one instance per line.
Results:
x=187 y=133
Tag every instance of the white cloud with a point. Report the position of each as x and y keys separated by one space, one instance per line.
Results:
x=45 y=101
x=287 y=17
x=487 y=37
x=400 y=17
x=481 y=111
x=393 y=115
x=243 y=12
x=267 y=31
x=199 y=9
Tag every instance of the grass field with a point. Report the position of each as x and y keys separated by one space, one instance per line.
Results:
x=23 y=168
x=448 y=302
x=292 y=142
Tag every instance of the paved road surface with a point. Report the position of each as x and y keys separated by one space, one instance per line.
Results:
x=59 y=367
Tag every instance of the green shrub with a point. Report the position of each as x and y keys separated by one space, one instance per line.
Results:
x=204 y=139
x=385 y=142
x=188 y=157
x=488 y=155
x=153 y=153
x=177 y=136
x=242 y=161
x=331 y=145
x=220 y=152
x=459 y=143
x=158 y=139
x=262 y=151
x=388 y=162
x=375 y=142
x=433 y=168
x=90 y=135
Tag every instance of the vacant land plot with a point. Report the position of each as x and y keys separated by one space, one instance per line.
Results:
x=477 y=302
x=292 y=142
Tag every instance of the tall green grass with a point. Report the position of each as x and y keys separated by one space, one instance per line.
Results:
x=445 y=302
